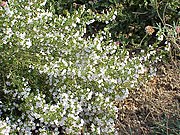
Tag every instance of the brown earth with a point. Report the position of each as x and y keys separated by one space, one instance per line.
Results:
x=154 y=108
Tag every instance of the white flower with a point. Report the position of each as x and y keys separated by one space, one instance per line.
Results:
x=82 y=123
x=8 y=83
x=114 y=17
x=160 y=38
x=77 y=20
x=56 y=122
x=92 y=127
x=99 y=47
x=63 y=72
x=38 y=104
x=64 y=62
x=73 y=24
x=62 y=122
x=115 y=13
x=76 y=35
x=66 y=28
x=107 y=99
x=36 y=115
x=91 y=21
x=8 y=11
x=142 y=69
x=28 y=43
x=53 y=108
x=125 y=95
x=22 y=35
x=98 y=130
x=106 y=22
x=9 y=31
x=43 y=3
x=6 y=131
x=27 y=8
x=89 y=95
x=168 y=46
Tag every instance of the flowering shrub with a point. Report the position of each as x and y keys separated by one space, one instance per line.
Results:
x=53 y=80
x=4 y=129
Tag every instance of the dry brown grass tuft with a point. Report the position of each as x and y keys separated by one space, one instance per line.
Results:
x=154 y=108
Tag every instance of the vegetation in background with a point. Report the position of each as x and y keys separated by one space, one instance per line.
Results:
x=64 y=64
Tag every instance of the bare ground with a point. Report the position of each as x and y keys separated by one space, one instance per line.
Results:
x=154 y=108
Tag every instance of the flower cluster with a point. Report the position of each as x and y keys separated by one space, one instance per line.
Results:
x=149 y=30
x=4 y=128
x=56 y=81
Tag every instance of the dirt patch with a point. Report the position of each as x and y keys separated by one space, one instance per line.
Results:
x=154 y=108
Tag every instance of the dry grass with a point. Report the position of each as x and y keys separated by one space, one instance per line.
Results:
x=154 y=108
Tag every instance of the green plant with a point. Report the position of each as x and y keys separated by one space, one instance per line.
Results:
x=168 y=27
x=4 y=129
x=53 y=79
x=167 y=125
